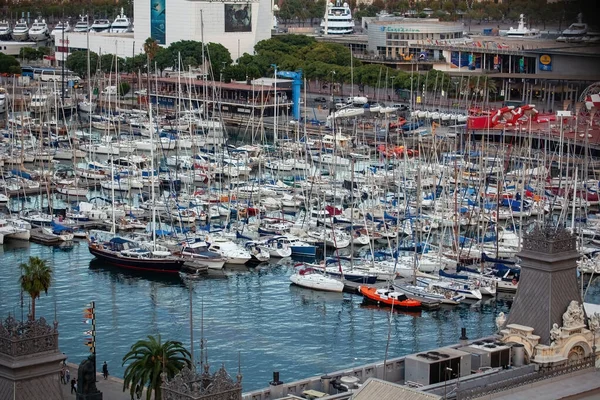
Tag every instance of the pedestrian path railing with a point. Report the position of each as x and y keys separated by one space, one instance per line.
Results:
x=542 y=374
x=22 y=338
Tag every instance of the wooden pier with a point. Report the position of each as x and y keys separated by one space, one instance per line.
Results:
x=38 y=236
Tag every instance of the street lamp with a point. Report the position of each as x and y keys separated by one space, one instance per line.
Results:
x=331 y=88
x=393 y=93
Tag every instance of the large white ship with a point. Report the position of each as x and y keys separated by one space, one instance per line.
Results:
x=338 y=19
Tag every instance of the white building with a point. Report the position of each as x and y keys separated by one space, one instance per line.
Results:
x=237 y=25
x=392 y=37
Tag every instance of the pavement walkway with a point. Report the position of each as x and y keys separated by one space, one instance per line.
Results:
x=585 y=385
x=111 y=388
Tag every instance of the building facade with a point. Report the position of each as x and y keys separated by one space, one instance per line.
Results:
x=237 y=25
x=393 y=37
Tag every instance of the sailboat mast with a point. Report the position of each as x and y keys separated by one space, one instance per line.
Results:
x=152 y=199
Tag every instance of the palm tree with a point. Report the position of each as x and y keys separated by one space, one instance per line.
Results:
x=36 y=276
x=149 y=358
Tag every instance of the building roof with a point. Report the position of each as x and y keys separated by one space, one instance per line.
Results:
x=382 y=390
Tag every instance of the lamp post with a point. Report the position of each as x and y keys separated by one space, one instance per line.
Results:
x=446 y=370
x=331 y=83
x=393 y=93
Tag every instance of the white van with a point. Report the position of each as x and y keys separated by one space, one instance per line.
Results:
x=357 y=100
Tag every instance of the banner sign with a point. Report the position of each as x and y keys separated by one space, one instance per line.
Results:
x=158 y=21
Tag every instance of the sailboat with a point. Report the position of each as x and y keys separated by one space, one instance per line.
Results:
x=311 y=278
x=129 y=254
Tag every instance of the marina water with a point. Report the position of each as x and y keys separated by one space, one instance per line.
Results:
x=252 y=314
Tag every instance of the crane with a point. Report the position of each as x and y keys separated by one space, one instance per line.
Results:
x=296 y=77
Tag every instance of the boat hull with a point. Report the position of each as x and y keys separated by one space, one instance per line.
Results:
x=370 y=294
x=320 y=282
x=161 y=266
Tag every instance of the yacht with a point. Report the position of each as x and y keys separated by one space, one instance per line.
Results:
x=338 y=19
x=100 y=25
x=121 y=24
x=3 y=100
x=522 y=31
x=575 y=32
x=39 y=31
x=82 y=25
x=39 y=103
x=20 y=32
x=10 y=229
x=60 y=28
x=5 y=30
x=310 y=278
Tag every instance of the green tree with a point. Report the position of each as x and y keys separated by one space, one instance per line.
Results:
x=124 y=88
x=108 y=63
x=148 y=359
x=136 y=63
x=77 y=62
x=36 y=276
x=219 y=58
x=163 y=59
x=29 y=53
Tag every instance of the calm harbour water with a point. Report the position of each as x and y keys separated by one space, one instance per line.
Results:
x=252 y=313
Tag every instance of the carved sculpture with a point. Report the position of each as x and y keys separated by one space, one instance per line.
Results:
x=574 y=315
x=594 y=322
x=554 y=334
x=86 y=376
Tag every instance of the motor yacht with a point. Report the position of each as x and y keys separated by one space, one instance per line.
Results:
x=39 y=103
x=3 y=100
x=39 y=31
x=20 y=32
x=521 y=31
x=82 y=25
x=576 y=32
x=121 y=24
x=10 y=229
x=60 y=28
x=100 y=25
x=5 y=30
x=338 y=19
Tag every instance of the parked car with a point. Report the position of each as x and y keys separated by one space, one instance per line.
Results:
x=320 y=100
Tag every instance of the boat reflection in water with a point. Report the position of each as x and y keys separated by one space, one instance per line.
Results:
x=371 y=306
x=130 y=276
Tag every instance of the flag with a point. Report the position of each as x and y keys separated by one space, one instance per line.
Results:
x=88 y=333
x=88 y=316
x=87 y=321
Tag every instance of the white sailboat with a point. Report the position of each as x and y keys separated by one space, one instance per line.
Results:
x=313 y=279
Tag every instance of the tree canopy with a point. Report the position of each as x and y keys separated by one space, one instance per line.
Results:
x=36 y=277
x=148 y=359
x=9 y=64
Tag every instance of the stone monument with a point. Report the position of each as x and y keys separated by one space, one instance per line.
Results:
x=547 y=316
x=548 y=282
x=86 y=380
x=30 y=360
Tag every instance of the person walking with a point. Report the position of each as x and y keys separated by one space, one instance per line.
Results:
x=73 y=385
x=62 y=375
x=67 y=376
x=105 y=370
